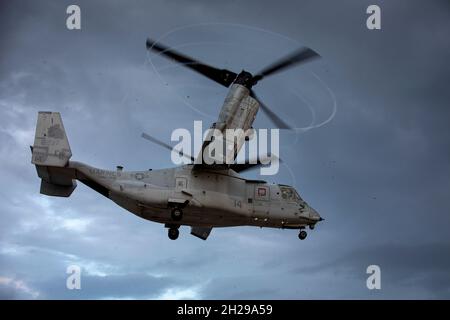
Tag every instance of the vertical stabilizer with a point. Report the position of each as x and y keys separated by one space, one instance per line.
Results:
x=51 y=154
x=51 y=147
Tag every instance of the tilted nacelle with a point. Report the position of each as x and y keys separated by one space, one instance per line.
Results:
x=235 y=124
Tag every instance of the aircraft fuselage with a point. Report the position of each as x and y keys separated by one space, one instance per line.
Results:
x=207 y=198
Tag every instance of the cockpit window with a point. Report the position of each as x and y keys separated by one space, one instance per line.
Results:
x=289 y=194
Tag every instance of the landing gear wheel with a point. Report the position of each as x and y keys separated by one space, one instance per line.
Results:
x=302 y=235
x=176 y=214
x=173 y=233
x=311 y=227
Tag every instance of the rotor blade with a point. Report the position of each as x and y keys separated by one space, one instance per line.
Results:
x=240 y=167
x=249 y=165
x=222 y=76
x=297 y=57
x=165 y=145
x=279 y=123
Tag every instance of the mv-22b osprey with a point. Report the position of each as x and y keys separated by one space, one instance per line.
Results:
x=197 y=195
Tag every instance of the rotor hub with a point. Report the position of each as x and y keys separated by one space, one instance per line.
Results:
x=245 y=78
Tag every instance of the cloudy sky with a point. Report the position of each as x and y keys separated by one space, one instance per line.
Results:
x=374 y=160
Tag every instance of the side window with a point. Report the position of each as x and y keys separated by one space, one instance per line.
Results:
x=289 y=194
x=297 y=196
x=286 y=193
x=261 y=193
x=180 y=183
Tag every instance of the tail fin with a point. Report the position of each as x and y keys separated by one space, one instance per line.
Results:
x=51 y=153
x=51 y=147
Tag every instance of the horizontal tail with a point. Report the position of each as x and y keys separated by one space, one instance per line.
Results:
x=51 y=153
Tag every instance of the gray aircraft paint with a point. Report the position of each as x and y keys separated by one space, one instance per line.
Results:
x=209 y=197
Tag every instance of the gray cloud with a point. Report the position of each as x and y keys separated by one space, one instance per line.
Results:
x=411 y=266
x=378 y=172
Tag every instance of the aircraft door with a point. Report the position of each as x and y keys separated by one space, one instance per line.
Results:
x=261 y=200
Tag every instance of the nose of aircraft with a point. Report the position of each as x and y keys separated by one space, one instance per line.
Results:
x=314 y=215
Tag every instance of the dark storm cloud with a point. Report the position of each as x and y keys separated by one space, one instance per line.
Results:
x=412 y=266
x=140 y=286
x=378 y=172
